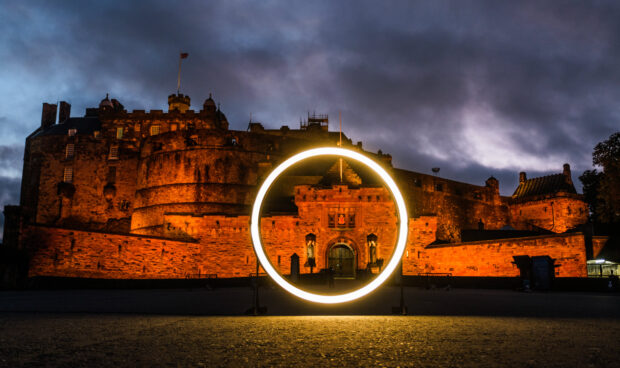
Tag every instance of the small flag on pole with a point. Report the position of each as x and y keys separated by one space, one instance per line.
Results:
x=184 y=55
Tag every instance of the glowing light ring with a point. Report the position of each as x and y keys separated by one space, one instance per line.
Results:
x=402 y=231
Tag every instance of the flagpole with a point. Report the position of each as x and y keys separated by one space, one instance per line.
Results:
x=179 y=76
x=340 y=144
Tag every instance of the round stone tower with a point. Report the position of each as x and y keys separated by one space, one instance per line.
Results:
x=204 y=168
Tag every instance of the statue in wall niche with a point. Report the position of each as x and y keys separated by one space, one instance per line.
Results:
x=310 y=251
x=371 y=240
x=373 y=251
x=310 y=248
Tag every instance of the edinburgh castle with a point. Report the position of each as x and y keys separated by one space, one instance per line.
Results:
x=151 y=195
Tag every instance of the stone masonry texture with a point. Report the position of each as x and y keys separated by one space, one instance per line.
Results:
x=118 y=194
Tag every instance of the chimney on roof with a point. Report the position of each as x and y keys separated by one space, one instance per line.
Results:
x=567 y=174
x=64 y=111
x=522 y=177
x=48 y=115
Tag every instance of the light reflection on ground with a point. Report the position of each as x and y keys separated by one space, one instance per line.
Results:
x=335 y=341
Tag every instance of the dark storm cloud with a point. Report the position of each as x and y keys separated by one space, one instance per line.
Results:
x=476 y=88
x=11 y=160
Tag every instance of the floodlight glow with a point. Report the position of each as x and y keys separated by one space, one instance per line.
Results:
x=403 y=221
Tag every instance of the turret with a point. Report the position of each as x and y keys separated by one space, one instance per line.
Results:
x=493 y=184
x=106 y=104
x=179 y=102
x=209 y=105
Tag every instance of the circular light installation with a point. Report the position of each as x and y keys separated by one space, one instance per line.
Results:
x=402 y=229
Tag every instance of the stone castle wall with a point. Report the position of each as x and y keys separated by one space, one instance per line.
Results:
x=203 y=169
x=457 y=205
x=181 y=199
x=494 y=257
x=225 y=250
x=556 y=214
x=83 y=200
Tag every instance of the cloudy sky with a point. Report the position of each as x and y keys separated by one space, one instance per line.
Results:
x=476 y=88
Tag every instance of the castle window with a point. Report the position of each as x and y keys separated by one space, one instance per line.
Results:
x=331 y=220
x=69 y=150
x=119 y=133
x=351 y=220
x=72 y=132
x=113 y=153
x=97 y=134
x=111 y=178
x=173 y=127
x=439 y=187
x=137 y=127
x=154 y=129
x=569 y=211
x=68 y=175
x=417 y=183
x=477 y=195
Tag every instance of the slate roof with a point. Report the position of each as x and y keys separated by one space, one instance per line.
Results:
x=86 y=125
x=543 y=185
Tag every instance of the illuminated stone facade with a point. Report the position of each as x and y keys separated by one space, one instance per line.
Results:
x=118 y=194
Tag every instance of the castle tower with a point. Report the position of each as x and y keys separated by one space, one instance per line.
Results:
x=209 y=105
x=178 y=102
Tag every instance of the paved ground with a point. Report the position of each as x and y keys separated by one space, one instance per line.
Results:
x=459 y=328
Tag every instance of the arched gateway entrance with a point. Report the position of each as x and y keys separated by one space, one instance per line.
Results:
x=341 y=259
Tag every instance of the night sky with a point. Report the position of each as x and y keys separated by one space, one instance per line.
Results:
x=476 y=88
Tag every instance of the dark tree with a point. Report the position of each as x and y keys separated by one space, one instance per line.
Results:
x=607 y=155
x=601 y=190
x=591 y=180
